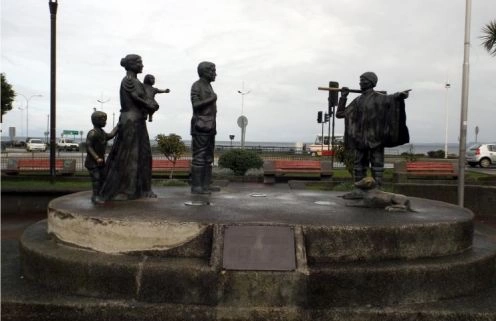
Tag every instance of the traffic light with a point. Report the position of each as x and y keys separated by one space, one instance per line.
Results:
x=326 y=117
x=319 y=117
x=333 y=95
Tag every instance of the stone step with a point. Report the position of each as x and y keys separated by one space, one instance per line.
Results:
x=187 y=280
x=27 y=301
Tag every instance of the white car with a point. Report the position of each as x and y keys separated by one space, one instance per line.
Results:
x=481 y=154
x=67 y=144
x=35 y=144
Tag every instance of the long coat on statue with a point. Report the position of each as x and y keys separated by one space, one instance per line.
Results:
x=374 y=119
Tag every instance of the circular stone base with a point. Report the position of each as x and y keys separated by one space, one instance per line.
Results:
x=332 y=231
x=189 y=281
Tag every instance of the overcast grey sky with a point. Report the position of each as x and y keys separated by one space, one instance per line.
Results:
x=281 y=50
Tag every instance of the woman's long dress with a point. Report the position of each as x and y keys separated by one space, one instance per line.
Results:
x=129 y=164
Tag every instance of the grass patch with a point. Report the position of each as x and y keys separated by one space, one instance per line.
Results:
x=474 y=176
x=169 y=183
x=343 y=187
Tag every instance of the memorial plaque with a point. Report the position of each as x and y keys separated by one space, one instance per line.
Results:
x=263 y=248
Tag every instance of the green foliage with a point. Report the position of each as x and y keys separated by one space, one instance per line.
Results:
x=489 y=37
x=436 y=153
x=410 y=156
x=240 y=161
x=8 y=95
x=172 y=147
x=346 y=157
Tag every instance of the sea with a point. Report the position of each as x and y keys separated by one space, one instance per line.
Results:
x=416 y=148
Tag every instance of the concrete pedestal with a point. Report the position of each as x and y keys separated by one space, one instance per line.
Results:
x=167 y=257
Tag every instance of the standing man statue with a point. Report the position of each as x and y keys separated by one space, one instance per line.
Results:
x=203 y=129
x=372 y=121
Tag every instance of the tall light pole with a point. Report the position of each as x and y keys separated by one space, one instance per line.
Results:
x=447 y=86
x=47 y=132
x=27 y=110
x=464 y=109
x=53 y=5
x=102 y=101
x=242 y=120
x=242 y=92
x=22 y=120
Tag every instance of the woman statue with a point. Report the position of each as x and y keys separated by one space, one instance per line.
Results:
x=129 y=164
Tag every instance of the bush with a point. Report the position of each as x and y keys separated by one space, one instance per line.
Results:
x=240 y=161
x=436 y=153
x=410 y=156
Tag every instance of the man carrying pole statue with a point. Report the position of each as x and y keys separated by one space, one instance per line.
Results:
x=373 y=121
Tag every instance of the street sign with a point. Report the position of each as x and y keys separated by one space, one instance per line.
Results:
x=242 y=121
x=70 y=132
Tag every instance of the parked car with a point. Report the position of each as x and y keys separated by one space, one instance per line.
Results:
x=35 y=144
x=15 y=143
x=67 y=145
x=481 y=154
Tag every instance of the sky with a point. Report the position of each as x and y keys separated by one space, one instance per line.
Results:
x=279 y=51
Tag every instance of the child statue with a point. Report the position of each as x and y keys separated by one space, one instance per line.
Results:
x=96 y=144
x=151 y=91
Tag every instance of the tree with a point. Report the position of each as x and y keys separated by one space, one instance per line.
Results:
x=410 y=156
x=489 y=37
x=347 y=157
x=172 y=147
x=8 y=95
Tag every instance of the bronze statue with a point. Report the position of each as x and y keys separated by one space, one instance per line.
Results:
x=129 y=164
x=372 y=121
x=96 y=144
x=203 y=129
x=373 y=197
x=151 y=91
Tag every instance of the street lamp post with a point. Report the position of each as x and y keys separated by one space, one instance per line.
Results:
x=243 y=93
x=27 y=110
x=22 y=120
x=53 y=5
x=242 y=120
x=102 y=101
x=447 y=86
x=464 y=107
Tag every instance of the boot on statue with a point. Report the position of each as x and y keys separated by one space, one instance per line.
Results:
x=197 y=180
x=208 y=180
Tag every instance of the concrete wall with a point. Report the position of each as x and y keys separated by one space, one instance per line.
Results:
x=32 y=203
x=479 y=199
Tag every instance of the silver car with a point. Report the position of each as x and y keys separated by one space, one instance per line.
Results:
x=481 y=154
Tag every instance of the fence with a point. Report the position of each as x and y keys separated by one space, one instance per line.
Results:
x=266 y=152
